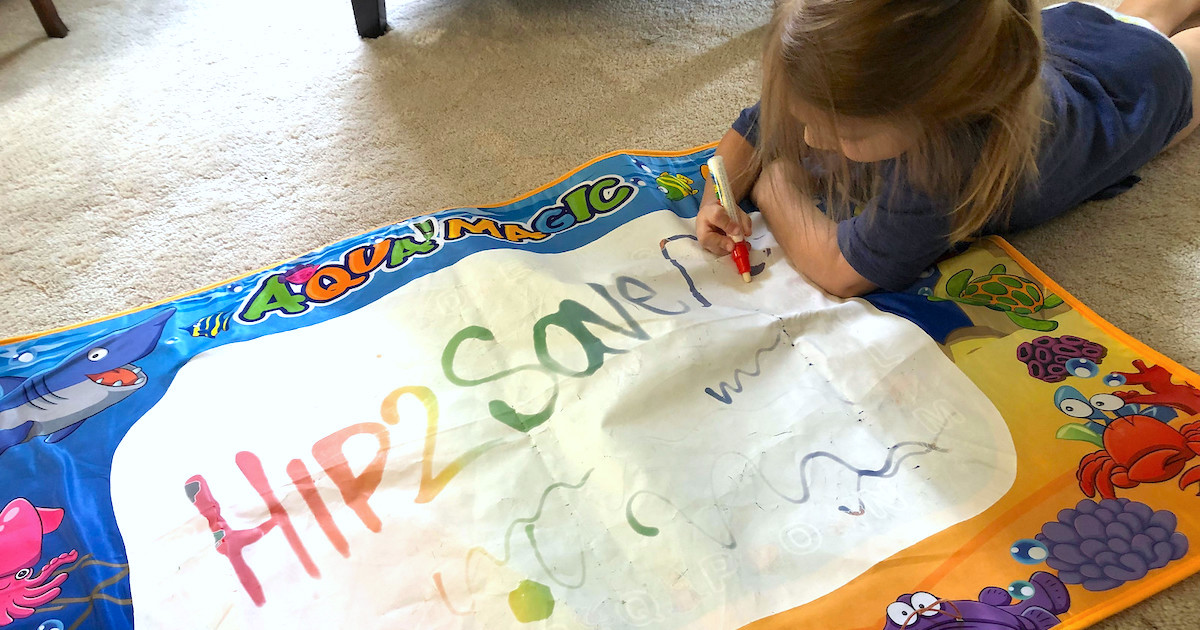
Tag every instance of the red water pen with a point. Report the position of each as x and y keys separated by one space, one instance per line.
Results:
x=741 y=251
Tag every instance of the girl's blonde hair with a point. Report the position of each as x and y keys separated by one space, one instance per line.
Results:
x=965 y=73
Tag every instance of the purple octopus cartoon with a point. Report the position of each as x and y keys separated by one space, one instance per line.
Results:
x=995 y=609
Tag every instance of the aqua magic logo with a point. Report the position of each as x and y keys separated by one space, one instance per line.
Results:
x=294 y=292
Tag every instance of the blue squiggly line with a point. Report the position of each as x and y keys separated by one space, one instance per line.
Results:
x=891 y=466
x=725 y=396
x=862 y=509
x=691 y=285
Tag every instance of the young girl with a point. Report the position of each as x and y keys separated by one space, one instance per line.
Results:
x=919 y=124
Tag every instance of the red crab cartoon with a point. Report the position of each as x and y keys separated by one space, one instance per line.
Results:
x=1141 y=449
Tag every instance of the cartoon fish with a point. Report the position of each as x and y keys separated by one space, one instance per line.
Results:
x=22 y=591
x=56 y=400
x=675 y=187
x=300 y=274
x=210 y=326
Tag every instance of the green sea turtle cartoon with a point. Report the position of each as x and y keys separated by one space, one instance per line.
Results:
x=675 y=187
x=999 y=290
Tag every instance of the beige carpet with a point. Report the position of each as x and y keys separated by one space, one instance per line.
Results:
x=170 y=144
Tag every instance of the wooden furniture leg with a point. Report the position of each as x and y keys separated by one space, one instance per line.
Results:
x=369 y=15
x=49 y=16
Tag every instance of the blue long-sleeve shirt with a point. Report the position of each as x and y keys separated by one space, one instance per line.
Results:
x=1116 y=95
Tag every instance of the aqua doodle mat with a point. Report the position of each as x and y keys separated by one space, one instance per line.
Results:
x=560 y=412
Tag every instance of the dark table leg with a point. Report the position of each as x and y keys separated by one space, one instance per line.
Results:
x=49 y=16
x=371 y=17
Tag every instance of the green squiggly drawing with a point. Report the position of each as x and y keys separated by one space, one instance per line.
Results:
x=649 y=531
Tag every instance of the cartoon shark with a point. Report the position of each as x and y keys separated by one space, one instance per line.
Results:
x=57 y=400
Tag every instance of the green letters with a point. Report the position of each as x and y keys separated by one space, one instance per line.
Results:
x=273 y=296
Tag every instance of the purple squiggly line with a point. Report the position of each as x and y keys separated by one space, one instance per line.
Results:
x=691 y=284
x=725 y=396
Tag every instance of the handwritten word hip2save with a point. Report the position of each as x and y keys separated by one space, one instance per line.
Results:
x=356 y=490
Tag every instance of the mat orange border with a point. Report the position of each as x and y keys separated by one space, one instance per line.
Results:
x=1167 y=576
x=1142 y=590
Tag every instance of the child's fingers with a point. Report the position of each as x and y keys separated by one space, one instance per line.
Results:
x=711 y=227
x=741 y=226
x=716 y=216
x=728 y=226
x=747 y=225
x=716 y=243
x=712 y=237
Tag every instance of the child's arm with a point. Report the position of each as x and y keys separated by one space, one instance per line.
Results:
x=808 y=237
x=713 y=226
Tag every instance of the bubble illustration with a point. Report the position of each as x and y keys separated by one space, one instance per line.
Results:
x=1083 y=368
x=1021 y=590
x=1029 y=551
x=1114 y=380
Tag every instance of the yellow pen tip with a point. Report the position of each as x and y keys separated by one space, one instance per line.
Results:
x=746 y=276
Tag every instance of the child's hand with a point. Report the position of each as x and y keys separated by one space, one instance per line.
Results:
x=714 y=228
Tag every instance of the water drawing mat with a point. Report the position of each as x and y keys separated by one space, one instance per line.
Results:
x=562 y=413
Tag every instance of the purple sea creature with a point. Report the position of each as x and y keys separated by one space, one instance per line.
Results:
x=995 y=609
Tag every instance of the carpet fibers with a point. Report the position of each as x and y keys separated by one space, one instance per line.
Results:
x=166 y=145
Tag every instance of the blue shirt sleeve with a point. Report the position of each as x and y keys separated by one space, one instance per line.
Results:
x=747 y=124
x=895 y=241
x=892 y=243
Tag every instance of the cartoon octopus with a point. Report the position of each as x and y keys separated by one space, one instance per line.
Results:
x=21 y=590
x=994 y=610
